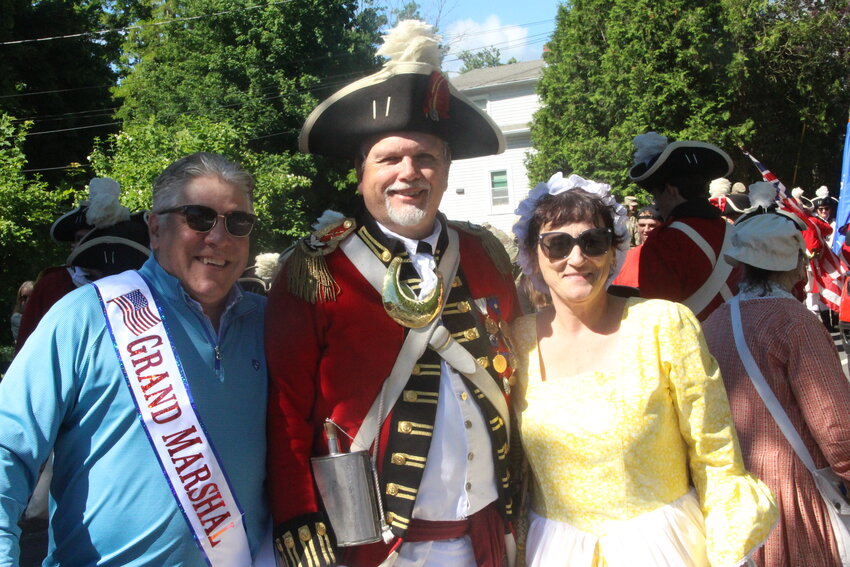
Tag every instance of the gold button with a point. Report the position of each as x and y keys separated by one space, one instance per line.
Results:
x=321 y=529
x=398 y=459
x=288 y=540
x=484 y=361
x=346 y=223
x=416 y=370
x=463 y=306
x=390 y=517
x=456 y=282
x=392 y=489
x=471 y=334
x=386 y=256
x=470 y=456
x=304 y=533
x=410 y=396
x=463 y=396
x=405 y=426
x=468 y=424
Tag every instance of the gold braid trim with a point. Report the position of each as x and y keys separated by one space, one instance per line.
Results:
x=308 y=276
x=495 y=249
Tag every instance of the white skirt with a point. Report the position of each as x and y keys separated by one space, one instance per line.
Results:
x=671 y=536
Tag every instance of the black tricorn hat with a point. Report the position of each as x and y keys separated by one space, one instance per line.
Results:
x=409 y=93
x=65 y=228
x=114 y=249
x=656 y=160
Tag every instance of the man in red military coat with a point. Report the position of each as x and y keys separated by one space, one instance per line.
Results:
x=682 y=260
x=370 y=325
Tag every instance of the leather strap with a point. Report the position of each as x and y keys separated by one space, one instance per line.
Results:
x=824 y=478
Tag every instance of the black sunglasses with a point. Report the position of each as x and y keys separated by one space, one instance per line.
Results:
x=591 y=242
x=203 y=219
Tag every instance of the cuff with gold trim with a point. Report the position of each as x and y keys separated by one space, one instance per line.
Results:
x=305 y=541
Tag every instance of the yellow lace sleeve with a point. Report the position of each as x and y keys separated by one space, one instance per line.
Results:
x=739 y=509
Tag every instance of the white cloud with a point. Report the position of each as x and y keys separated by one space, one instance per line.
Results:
x=467 y=34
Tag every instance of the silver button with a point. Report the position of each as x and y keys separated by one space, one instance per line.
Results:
x=469 y=486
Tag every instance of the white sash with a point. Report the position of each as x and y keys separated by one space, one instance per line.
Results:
x=716 y=282
x=158 y=386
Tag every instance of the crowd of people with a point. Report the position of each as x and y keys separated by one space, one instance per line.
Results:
x=380 y=394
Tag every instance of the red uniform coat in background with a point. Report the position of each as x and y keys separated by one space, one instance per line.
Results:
x=51 y=286
x=673 y=267
x=329 y=359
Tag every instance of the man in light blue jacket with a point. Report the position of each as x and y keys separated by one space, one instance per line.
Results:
x=159 y=456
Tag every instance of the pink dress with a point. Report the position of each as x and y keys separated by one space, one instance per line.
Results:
x=801 y=365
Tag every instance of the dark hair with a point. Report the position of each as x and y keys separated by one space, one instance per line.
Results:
x=576 y=205
x=758 y=279
x=690 y=187
x=649 y=213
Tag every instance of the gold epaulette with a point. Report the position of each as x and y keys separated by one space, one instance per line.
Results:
x=307 y=270
x=494 y=248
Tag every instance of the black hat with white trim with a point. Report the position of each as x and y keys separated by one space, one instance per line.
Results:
x=115 y=248
x=409 y=93
x=657 y=160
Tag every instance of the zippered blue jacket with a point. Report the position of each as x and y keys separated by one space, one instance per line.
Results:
x=110 y=503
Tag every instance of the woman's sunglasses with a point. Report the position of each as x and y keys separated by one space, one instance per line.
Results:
x=203 y=219
x=591 y=242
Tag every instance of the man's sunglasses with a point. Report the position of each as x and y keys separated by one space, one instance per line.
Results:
x=592 y=242
x=203 y=219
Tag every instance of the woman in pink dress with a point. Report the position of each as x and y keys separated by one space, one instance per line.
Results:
x=800 y=364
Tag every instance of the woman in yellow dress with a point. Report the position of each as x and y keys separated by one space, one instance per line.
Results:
x=623 y=416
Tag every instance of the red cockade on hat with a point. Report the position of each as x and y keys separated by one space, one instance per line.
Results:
x=437 y=100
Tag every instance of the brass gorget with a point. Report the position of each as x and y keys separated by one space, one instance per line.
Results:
x=400 y=301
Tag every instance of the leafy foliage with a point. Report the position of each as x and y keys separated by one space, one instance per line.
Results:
x=61 y=86
x=137 y=156
x=692 y=70
x=27 y=209
x=262 y=67
x=487 y=57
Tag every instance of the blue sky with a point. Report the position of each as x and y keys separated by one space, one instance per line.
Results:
x=517 y=28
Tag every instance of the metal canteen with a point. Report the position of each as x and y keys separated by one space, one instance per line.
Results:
x=401 y=303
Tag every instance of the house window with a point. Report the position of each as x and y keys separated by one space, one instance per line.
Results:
x=499 y=188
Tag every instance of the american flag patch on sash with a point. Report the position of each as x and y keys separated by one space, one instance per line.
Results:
x=136 y=312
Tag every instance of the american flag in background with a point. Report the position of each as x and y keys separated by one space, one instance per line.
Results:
x=827 y=268
x=137 y=314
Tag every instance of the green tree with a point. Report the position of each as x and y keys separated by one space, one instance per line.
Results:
x=135 y=158
x=262 y=67
x=62 y=86
x=700 y=70
x=487 y=57
x=618 y=68
x=27 y=208
x=791 y=79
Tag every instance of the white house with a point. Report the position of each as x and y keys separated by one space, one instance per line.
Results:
x=488 y=189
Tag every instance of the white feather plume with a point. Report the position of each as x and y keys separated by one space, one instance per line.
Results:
x=648 y=146
x=797 y=192
x=822 y=192
x=266 y=266
x=762 y=194
x=104 y=209
x=412 y=41
x=719 y=186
